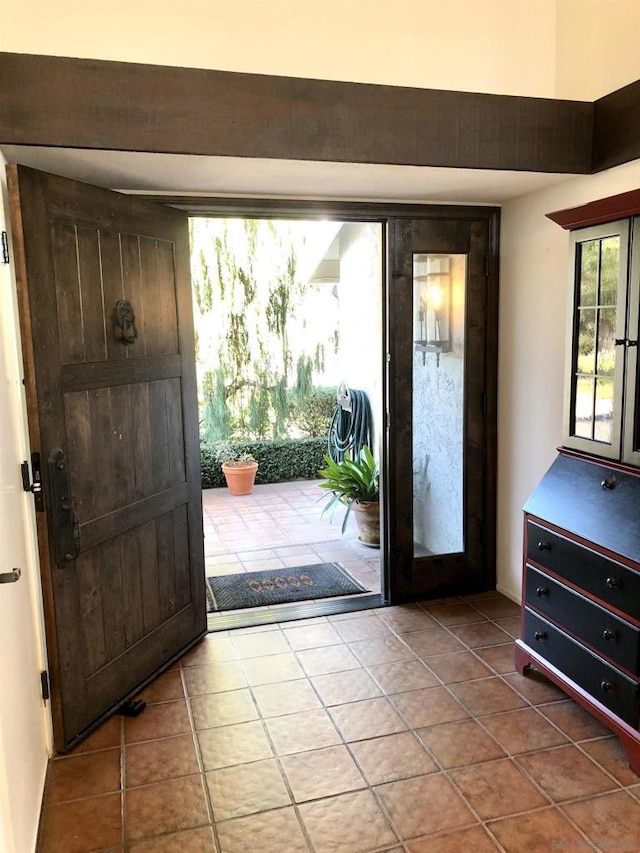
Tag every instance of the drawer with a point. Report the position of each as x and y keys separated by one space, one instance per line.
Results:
x=611 y=582
x=604 y=682
x=612 y=637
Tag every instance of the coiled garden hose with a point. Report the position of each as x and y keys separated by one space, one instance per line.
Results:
x=350 y=430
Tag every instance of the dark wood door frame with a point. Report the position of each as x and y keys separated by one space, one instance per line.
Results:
x=385 y=214
x=472 y=568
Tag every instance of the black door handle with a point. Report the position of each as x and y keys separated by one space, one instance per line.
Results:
x=65 y=526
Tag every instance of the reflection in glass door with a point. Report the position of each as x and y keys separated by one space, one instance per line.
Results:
x=439 y=285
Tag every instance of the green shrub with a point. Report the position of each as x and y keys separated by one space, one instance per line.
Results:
x=312 y=415
x=278 y=461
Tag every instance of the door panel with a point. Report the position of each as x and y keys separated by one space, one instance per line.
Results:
x=440 y=482
x=125 y=416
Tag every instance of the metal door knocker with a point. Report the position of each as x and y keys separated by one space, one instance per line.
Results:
x=126 y=320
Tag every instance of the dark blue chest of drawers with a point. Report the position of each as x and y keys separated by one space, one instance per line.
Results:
x=581 y=589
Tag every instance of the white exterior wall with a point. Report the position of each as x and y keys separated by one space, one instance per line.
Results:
x=359 y=294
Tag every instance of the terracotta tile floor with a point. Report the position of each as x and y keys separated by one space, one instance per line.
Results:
x=397 y=729
x=279 y=526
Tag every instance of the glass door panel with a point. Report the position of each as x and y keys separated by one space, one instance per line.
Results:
x=440 y=448
x=439 y=287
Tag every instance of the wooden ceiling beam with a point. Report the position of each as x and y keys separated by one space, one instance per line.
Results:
x=96 y=104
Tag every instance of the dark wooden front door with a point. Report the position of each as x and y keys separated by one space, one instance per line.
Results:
x=115 y=424
x=440 y=485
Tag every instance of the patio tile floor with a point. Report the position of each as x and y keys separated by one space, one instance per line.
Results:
x=280 y=525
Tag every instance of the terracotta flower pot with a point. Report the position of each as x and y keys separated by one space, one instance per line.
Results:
x=368 y=520
x=240 y=476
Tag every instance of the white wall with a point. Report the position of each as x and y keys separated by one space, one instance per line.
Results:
x=24 y=720
x=579 y=49
x=597 y=47
x=505 y=46
x=533 y=315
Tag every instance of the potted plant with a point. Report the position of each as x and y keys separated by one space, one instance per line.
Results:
x=239 y=468
x=355 y=484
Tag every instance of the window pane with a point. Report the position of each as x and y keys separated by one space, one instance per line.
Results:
x=587 y=341
x=439 y=288
x=609 y=269
x=604 y=410
x=589 y=254
x=606 y=341
x=583 y=426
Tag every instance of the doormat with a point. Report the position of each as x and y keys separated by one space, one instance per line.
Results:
x=280 y=586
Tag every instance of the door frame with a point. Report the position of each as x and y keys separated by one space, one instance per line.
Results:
x=471 y=569
x=26 y=735
x=385 y=213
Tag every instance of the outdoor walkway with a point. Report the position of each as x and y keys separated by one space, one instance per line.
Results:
x=280 y=526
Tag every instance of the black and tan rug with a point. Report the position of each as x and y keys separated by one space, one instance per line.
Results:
x=280 y=586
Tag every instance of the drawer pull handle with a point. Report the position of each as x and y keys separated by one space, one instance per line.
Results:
x=609 y=635
x=544 y=546
x=541 y=590
x=540 y=635
x=607 y=686
x=612 y=583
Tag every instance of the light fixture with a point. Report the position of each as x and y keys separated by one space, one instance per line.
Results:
x=432 y=300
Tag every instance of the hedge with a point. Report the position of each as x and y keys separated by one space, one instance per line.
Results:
x=278 y=461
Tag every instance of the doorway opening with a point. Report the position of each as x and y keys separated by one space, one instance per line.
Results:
x=289 y=334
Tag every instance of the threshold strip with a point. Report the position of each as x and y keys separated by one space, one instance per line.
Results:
x=291 y=612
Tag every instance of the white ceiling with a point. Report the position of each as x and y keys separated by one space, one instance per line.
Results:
x=236 y=176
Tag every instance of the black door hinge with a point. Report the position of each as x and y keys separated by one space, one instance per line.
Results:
x=5 y=247
x=36 y=486
x=44 y=683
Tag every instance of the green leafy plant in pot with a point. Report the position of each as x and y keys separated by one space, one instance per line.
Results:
x=354 y=484
x=239 y=468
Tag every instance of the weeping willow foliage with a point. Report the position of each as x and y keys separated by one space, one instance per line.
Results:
x=253 y=362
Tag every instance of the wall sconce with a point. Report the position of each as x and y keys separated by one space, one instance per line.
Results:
x=432 y=302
